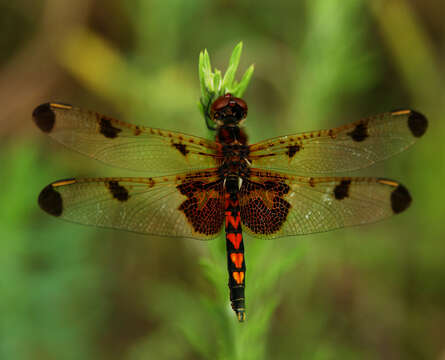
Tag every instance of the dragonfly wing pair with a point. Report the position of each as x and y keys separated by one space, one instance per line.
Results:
x=280 y=197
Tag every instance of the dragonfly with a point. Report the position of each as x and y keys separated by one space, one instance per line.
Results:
x=194 y=187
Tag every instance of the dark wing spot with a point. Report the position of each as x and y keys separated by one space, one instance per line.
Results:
x=107 y=129
x=263 y=216
x=360 y=132
x=203 y=208
x=262 y=219
x=342 y=190
x=118 y=191
x=417 y=123
x=181 y=148
x=44 y=117
x=51 y=201
x=292 y=150
x=400 y=199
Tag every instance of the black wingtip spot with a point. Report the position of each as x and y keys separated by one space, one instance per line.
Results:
x=400 y=199
x=50 y=201
x=341 y=191
x=44 y=117
x=417 y=123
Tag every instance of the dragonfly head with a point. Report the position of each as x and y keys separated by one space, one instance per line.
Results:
x=228 y=110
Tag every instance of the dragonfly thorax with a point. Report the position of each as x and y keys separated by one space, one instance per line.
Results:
x=233 y=151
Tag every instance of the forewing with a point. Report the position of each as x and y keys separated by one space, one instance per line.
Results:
x=122 y=144
x=184 y=206
x=275 y=205
x=349 y=147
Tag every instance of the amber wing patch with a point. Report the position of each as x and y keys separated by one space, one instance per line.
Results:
x=204 y=206
x=263 y=208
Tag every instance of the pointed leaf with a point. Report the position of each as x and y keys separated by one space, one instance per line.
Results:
x=233 y=66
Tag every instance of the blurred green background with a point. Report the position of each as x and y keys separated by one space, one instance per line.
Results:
x=73 y=292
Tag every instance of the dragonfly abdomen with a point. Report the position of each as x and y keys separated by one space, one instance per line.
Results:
x=235 y=249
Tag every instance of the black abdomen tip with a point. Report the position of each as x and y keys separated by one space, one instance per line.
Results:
x=417 y=123
x=44 y=117
x=400 y=199
x=51 y=201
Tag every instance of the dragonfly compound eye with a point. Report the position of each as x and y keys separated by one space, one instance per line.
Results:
x=228 y=110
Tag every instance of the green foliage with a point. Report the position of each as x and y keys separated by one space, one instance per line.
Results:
x=70 y=292
x=213 y=84
x=48 y=271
